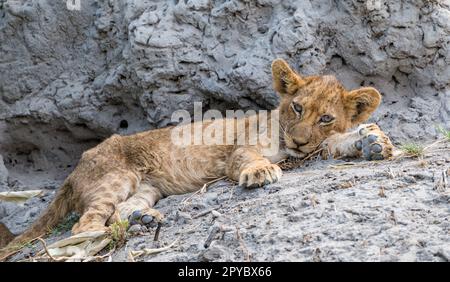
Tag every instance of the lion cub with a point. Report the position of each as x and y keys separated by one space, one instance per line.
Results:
x=124 y=176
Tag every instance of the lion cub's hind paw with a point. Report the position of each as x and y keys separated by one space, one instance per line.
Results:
x=259 y=176
x=149 y=218
x=374 y=144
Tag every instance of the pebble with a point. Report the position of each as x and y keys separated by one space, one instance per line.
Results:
x=183 y=217
x=294 y=218
x=216 y=214
x=409 y=179
x=214 y=253
x=134 y=229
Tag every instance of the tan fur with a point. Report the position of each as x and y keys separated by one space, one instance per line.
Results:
x=127 y=173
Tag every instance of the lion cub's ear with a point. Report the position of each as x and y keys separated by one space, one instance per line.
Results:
x=361 y=103
x=285 y=80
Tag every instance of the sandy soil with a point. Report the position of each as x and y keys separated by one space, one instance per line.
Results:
x=325 y=211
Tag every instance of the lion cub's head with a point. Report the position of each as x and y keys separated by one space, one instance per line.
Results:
x=314 y=107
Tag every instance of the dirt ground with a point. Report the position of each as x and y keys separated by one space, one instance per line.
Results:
x=337 y=210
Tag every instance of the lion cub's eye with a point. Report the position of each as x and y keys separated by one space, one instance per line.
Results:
x=298 y=109
x=326 y=119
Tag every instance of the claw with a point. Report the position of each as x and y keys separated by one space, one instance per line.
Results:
x=362 y=131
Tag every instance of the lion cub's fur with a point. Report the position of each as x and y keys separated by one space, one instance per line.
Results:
x=126 y=173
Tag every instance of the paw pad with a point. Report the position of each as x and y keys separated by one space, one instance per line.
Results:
x=376 y=148
x=372 y=138
x=143 y=219
x=374 y=144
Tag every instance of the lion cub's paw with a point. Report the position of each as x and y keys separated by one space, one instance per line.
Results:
x=259 y=176
x=148 y=217
x=373 y=144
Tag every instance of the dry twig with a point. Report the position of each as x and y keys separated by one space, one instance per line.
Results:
x=243 y=246
x=200 y=191
x=382 y=193
x=442 y=183
x=134 y=254
x=44 y=245
x=215 y=230
x=6 y=256
x=202 y=213
x=157 y=231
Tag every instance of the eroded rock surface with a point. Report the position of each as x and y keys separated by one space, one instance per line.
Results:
x=71 y=78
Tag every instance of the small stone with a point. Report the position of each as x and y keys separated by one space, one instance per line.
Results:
x=216 y=214
x=263 y=29
x=211 y=199
x=134 y=229
x=409 y=179
x=213 y=253
x=294 y=218
x=183 y=217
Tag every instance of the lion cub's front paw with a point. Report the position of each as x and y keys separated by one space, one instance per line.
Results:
x=259 y=176
x=373 y=144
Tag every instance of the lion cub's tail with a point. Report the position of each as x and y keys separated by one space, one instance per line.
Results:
x=55 y=212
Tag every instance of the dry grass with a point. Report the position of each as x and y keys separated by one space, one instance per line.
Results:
x=442 y=182
x=419 y=151
x=118 y=233
x=347 y=184
x=413 y=150
x=382 y=192
x=444 y=132
x=65 y=225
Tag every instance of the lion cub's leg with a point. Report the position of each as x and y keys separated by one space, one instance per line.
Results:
x=101 y=201
x=251 y=169
x=138 y=208
x=367 y=141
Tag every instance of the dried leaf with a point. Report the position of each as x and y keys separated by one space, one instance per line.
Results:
x=79 y=247
x=19 y=197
